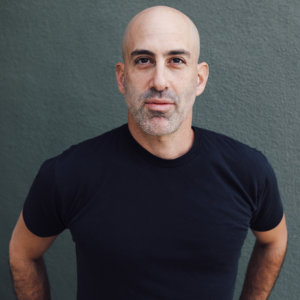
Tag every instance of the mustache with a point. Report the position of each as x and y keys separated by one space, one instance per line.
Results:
x=165 y=94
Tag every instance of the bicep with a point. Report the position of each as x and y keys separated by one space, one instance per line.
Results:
x=26 y=244
x=275 y=236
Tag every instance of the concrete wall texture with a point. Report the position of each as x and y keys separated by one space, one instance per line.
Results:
x=57 y=87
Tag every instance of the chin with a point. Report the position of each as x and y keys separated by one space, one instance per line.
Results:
x=158 y=127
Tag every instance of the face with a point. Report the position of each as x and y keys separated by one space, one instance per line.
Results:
x=160 y=78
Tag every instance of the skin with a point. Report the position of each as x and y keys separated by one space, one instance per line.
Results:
x=159 y=84
x=265 y=262
x=26 y=263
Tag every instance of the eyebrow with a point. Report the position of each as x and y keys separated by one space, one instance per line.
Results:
x=180 y=52
x=150 y=53
x=141 y=52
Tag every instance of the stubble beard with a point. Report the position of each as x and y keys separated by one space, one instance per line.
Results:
x=155 y=122
x=152 y=122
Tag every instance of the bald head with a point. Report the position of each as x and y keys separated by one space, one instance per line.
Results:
x=162 y=21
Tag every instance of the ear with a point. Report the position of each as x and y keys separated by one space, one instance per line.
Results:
x=203 y=71
x=120 y=77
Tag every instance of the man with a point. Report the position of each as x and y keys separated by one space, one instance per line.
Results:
x=157 y=209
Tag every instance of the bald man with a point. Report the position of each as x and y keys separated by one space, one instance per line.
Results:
x=157 y=208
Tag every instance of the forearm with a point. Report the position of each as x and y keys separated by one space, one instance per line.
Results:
x=262 y=272
x=30 y=279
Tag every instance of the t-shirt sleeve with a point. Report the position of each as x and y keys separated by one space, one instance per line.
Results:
x=269 y=209
x=41 y=210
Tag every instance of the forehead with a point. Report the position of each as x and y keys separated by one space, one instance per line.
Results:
x=161 y=33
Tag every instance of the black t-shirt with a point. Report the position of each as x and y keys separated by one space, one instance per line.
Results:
x=150 y=228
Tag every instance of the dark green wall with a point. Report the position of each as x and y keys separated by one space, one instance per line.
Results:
x=57 y=87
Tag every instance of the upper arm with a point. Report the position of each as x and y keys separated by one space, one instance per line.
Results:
x=275 y=236
x=25 y=244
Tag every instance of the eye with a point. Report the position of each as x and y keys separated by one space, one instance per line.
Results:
x=142 y=61
x=177 y=60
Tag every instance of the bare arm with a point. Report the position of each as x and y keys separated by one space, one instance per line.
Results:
x=265 y=263
x=26 y=263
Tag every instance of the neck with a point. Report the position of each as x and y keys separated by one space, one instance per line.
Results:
x=169 y=146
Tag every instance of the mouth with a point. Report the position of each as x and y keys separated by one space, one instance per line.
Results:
x=159 y=104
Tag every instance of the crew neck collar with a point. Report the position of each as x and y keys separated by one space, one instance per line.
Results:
x=153 y=159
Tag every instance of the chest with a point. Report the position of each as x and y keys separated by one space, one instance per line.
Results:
x=167 y=216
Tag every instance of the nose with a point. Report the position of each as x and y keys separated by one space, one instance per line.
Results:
x=159 y=80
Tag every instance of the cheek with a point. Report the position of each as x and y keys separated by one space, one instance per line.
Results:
x=187 y=90
x=137 y=79
x=132 y=93
x=185 y=82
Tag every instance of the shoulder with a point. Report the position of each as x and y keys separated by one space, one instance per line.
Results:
x=233 y=153
x=226 y=145
x=94 y=146
x=86 y=154
x=98 y=144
